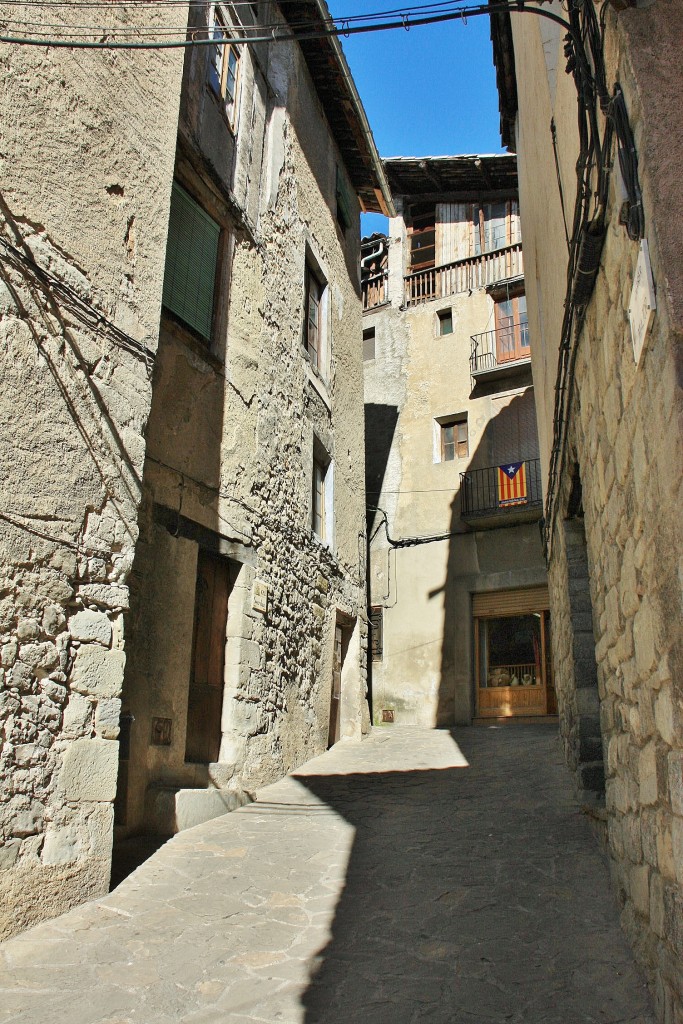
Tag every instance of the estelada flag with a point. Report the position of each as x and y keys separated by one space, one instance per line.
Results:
x=512 y=484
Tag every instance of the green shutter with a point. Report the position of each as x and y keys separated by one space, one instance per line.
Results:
x=191 y=257
x=345 y=204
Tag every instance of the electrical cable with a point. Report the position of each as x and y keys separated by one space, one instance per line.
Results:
x=300 y=32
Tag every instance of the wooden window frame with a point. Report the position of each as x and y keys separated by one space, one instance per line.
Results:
x=415 y=232
x=318 y=517
x=445 y=317
x=512 y=339
x=458 y=447
x=224 y=68
x=315 y=329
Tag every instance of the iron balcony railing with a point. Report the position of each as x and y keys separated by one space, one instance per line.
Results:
x=493 y=349
x=483 y=491
x=464 y=275
x=374 y=290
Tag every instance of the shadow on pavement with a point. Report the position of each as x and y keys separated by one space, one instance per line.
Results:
x=472 y=895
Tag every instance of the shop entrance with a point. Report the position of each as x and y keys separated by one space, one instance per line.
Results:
x=512 y=652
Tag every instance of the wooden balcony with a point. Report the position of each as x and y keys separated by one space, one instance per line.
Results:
x=464 y=275
x=374 y=290
x=483 y=504
x=503 y=352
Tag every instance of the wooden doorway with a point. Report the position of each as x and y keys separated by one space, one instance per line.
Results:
x=512 y=330
x=342 y=635
x=513 y=665
x=215 y=578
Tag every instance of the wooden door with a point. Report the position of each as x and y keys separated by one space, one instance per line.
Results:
x=205 y=699
x=335 y=706
x=512 y=331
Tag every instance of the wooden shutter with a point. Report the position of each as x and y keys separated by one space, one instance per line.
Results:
x=510 y=602
x=191 y=259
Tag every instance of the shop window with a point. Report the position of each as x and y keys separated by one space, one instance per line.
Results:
x=513 y=662
x=445 y=318
x=369 y=344
x=191 y=263
x=454 y=439
x=224 y=67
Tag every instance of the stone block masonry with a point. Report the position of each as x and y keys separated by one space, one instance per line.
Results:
x=626 y=438
x=81 y=264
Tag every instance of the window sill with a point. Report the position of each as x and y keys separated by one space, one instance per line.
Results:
x=316 y=381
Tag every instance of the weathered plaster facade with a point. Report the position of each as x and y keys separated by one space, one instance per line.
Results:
x=205 y=448
x=616 y=540
x=417 y=379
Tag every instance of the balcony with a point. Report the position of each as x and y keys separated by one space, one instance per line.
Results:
x=500 y=353
x=464 y=275
x=374 y=290
x=488 y=501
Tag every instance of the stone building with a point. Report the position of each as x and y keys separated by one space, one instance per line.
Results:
x=601 y=211
x=458 y=586
x=183 y=595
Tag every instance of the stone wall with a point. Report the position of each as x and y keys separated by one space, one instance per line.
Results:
x=85 y=169
x=230 y=456
x=625 y=437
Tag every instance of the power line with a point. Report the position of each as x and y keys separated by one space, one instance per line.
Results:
x=405 y=18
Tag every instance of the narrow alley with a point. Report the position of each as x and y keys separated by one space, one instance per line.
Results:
x=419 y=876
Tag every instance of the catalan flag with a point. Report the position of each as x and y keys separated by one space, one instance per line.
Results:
x=512 y=484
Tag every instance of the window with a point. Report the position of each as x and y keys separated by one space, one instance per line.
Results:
x=345 y=203
x=422 y=238
x=369 y=344
x=454 y=443
x=224 y=65
x=319 y=474
x=376 y=633
x=315 y=322
x=191 y=263
x=490 y=226
x=445 y=321
x=512 y=329
x=322 y=494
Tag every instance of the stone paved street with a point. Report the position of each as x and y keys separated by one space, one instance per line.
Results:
x=418 y=878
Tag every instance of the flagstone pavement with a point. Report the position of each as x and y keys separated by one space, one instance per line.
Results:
x=420 y=877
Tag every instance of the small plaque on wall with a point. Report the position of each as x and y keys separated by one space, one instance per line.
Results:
x=161 y=732
x=259 y=597
x=643 y=303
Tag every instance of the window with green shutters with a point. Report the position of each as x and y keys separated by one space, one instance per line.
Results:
x=191 y=261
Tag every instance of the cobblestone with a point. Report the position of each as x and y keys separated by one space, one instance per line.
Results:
x=420 y=877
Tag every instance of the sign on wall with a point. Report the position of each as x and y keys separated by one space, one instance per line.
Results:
x=643 y=303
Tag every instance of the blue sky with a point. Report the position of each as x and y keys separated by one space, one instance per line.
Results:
x=427 y=92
